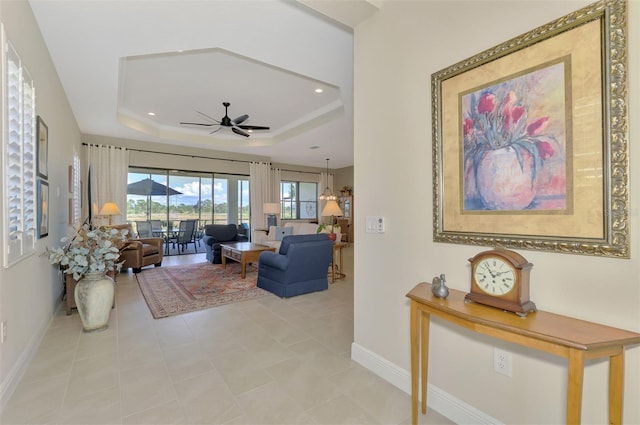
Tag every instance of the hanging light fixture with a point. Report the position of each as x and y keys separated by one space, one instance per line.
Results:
x=327 y=195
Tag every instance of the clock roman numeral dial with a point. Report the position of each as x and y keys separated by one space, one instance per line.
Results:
x=494 y=276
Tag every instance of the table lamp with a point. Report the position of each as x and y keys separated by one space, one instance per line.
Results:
x=331 y=209
x=109 y=209
x=271 y=209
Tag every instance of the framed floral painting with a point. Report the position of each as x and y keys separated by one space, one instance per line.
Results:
x=530 y=139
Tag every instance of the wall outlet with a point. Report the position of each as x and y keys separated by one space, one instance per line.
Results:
x=3 y=331
x=502 y=362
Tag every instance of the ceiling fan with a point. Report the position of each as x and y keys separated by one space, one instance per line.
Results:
x=234 y=124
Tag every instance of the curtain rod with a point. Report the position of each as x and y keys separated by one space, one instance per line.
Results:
x=197 y=156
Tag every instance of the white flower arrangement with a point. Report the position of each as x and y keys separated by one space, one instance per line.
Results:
x=89 y=251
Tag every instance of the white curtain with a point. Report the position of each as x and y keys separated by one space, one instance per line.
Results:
x=276 y=178
x=261 y=187
x=109 y=169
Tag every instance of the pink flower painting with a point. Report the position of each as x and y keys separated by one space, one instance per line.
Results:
x=514 y=143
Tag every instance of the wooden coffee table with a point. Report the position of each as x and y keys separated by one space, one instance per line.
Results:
x=242 y=252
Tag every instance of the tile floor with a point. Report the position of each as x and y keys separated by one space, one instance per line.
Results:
x=266 y=361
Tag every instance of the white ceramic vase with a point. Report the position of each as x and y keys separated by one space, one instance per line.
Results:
x=94 y=297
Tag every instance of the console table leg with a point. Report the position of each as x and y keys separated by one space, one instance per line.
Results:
x=616 y=378
x=415 y=345
x=574 y=386
x=424 y=348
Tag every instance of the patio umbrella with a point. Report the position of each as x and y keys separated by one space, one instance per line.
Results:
x=149 y=188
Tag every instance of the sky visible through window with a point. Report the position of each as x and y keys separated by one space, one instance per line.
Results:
x=189 y=188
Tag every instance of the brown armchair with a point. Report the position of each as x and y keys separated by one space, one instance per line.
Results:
x=139 y=252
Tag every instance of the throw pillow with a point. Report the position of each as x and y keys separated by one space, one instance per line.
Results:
x=281 y=232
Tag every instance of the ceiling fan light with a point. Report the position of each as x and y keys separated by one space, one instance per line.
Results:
x=235 y=125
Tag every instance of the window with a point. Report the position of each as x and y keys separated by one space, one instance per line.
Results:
x=299 y=200
x=18 y=157
x=210 y=198
x=243 y=201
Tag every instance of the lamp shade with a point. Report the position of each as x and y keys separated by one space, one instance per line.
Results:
x=331 y=209
x=271 y=208
x=110 y=208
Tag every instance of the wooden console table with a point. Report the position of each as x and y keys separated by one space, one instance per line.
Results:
x=577 y=340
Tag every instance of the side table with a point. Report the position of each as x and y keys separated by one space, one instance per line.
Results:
x=337 y=270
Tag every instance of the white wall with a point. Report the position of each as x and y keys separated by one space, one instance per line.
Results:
x=396 y=51
x=31 y=290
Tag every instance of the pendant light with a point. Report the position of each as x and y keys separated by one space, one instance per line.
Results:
x=327 y=195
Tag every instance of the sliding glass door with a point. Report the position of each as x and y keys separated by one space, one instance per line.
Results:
x=171 y=196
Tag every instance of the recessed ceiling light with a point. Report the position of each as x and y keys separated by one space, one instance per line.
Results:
x=152 y=114
x=314 y=147
x=319 y=90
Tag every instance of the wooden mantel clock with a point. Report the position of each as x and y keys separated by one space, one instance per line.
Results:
x=500 y=278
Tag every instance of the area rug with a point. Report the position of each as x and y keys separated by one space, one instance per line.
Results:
x=174 y=290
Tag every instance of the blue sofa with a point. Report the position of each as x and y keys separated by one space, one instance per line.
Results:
x=216 y=234
x=300 y=266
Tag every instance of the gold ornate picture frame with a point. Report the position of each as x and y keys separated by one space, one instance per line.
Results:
x=530 y=139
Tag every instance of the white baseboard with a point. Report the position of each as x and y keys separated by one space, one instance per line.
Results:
x=10 y=383
x=442 y=402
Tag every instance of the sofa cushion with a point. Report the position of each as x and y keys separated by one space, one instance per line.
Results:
x=302 y=228
x=148 y=249
x=281 y=232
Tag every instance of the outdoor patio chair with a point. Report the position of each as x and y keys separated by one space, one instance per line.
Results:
x=156 y=227
x=144 y=229
x=186 y=234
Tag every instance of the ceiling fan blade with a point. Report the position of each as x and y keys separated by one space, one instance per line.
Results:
x=207 y=116
x=216 y=130
x=240 y=132
x=197 y=123
x=253 y=127
x=240 y=119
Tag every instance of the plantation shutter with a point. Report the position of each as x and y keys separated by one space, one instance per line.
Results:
x=29 y=162
x=19 y=159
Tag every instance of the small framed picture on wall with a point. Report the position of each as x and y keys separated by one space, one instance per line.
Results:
x=42 y=134
x=43 y=209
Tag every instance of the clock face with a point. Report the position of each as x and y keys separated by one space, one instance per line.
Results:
x=494 y=276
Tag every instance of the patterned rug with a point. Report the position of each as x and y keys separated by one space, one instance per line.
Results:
x=174 y=290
